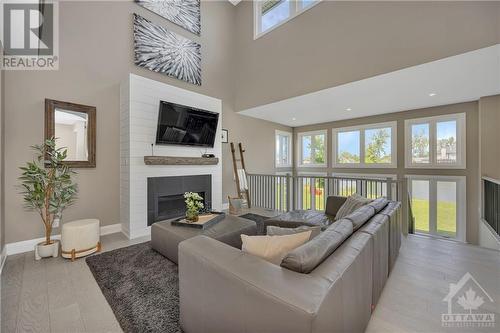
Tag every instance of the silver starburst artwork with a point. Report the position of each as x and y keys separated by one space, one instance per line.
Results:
x=185 y=13
x=163 y=51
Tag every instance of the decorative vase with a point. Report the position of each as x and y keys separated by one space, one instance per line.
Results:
x=43 y=250
x=192 y=216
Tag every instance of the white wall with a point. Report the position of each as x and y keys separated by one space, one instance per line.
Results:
x=139 y=105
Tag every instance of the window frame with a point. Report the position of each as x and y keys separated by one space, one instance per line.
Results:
x=461 y=134
x=393 y=125
x=295 y=10
x=290 y=149
x=461 y=196
x=299 y=149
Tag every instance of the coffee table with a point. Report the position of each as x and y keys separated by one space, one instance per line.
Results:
x=165 y=237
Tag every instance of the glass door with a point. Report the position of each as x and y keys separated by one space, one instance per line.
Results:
x=438 y=205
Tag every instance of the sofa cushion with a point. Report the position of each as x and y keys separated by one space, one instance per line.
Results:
x=297 y=218
x=352 y=203
x=390 y=208
x=307 y=257
x=273 y=248
x=278 y=231
x=360 y=216
x=379 y=204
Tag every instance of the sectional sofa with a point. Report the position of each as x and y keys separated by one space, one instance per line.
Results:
x=330 y=284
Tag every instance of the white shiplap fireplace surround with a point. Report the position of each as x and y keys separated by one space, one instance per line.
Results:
x=139 y=105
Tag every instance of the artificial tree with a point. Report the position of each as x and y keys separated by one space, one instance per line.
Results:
x=47 y=184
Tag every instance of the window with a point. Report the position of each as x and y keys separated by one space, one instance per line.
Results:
x=312 y=149
x=435 y=142
x=365 y=146
x=270 y=14
x=438 y=205
x=283 y=150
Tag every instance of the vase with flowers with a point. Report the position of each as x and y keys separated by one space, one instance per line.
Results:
x=194 y=203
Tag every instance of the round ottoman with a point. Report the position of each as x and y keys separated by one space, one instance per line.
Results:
x=80 y=238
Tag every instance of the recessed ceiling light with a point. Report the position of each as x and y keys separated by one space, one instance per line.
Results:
x=348 y=109
x=294 y=118
x=432 y=94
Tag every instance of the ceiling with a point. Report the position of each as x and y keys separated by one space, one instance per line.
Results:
x=461 y=78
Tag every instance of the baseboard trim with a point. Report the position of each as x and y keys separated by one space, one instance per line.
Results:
x=29 y=245
x=3 y=258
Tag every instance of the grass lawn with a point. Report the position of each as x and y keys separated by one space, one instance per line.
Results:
x=446 y=217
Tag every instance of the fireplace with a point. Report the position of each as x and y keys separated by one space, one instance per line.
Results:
x=166 y=195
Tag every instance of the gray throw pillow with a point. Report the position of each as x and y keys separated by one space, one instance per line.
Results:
x=278 y=231
x=308 y=256
x=352 y=203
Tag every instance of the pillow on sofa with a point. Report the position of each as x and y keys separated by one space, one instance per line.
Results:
x=352 y=203
x=307 y=257
x=273 y=248
x=379 y=204
x=279 y=231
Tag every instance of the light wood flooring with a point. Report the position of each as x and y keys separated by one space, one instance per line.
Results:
x=56 y=295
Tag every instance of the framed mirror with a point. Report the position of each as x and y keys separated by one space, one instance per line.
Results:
x=74 y=126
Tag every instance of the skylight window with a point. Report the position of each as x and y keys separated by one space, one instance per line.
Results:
x=271 y=14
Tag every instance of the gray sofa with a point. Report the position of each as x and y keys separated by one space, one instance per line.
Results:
x=223 y=289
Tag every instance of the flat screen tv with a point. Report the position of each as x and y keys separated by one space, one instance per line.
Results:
x=185 y=125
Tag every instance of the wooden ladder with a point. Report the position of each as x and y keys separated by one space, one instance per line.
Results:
x=242 y=194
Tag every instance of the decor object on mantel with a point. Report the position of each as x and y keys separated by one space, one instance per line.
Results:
x=194 y=203
x=48 y=190
x=163 y=51
x=178 y=160
x=185 y=13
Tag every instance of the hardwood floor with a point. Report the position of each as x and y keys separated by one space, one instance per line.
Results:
x=56 y=295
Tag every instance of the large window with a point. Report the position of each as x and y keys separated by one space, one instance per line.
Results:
x=365 y=146
x=312 y=149
x=270 y=14
x=435 y=142
x=283 y=149
x=438 y=205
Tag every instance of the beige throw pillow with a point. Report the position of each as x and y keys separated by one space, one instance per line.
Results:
x=352 y=203
x=273 y=248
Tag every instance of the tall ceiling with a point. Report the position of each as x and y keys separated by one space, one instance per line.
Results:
x=460 y=78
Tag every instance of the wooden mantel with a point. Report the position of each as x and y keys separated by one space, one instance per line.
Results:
x=178 y=160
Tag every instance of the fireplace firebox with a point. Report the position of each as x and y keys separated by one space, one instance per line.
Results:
x=166 y=195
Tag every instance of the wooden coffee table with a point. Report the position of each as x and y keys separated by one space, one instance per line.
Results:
x=165 y=237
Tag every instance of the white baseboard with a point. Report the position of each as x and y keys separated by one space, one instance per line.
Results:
x=139 y=233
x=29 y=245
x=3 y=258
x=111 y=229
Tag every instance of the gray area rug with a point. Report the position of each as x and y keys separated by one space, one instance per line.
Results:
x=141 y=286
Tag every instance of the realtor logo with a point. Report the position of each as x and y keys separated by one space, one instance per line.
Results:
x=30 y=36
x=465 y=299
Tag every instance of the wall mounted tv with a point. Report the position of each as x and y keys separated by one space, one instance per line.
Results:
x=184 y=125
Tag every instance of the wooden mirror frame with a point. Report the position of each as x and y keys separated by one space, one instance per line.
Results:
x=50 y=107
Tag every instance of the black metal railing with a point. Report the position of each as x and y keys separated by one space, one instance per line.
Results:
x=491 y=199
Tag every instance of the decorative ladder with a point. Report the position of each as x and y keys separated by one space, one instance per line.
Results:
x=240 y=172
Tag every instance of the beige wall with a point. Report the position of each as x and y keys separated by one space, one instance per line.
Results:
x=489 y=132
x=2 y=159
x=96 y=53
x=472 y=183
x=337 y=42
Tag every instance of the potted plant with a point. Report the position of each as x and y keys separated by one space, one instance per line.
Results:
x=194 y=203
x=48 y=189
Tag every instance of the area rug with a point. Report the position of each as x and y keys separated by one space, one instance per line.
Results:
x=141 y=286
x=259 y=220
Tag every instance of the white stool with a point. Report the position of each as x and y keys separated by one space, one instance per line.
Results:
x=80 y=238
